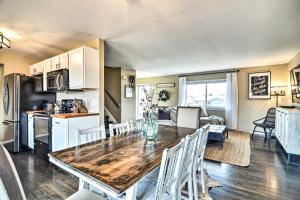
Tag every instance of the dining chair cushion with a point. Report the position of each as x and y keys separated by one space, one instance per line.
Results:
x=85 y=195
x=188 y=117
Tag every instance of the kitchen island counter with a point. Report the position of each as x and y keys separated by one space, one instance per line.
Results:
x=72 y=115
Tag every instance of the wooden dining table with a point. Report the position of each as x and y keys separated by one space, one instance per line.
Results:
x=116 y=164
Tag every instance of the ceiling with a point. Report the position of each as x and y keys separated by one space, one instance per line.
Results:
x=158 y=37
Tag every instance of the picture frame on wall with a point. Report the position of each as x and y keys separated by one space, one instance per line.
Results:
x=128 y=91
x=165 y=85
x=259 y=85
x=295 y=84
x=296 y=76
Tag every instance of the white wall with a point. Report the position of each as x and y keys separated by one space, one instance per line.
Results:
x=128 y=105
x=249 y=109
x=15 y=62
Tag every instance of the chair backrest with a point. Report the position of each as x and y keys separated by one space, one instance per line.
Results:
x=169 y=174
x=202 y=141
x=89 y=135
x=12 y=186
x=188 y=117
x=188 y=158
x=136 y=125
x=270 y=118
x=118 y=129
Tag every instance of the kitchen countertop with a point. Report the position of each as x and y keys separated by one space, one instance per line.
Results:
x=72 y=115
x=33 y=111
x=289 y=110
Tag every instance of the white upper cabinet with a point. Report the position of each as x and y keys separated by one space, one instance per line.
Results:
x=60 y=62
x=47 y=68
x=83 y=68
x=83 y=65
x=36 y=69
x=55 y=63
x=64 y=60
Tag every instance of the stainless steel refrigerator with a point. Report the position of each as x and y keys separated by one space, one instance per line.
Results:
x=20 y=94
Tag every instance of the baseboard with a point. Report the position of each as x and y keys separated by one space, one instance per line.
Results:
x=289 y=158
x=7 y=141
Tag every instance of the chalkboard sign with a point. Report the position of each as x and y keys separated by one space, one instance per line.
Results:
x=260 y=85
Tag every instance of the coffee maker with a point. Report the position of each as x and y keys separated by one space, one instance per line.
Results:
x=67 y=105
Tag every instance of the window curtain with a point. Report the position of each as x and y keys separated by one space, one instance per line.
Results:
x=182 y=91
x=231 y=108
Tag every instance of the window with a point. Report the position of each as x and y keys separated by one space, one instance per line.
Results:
x=139 y=96
x=210 y=94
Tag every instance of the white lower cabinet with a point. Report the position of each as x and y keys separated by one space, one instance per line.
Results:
x=59 y=138
x=30 y=132
x=64 y=130
x=288 y=129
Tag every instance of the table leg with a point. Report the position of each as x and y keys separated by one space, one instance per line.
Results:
x=82 y=184
x=131 y=192
x=221 y=144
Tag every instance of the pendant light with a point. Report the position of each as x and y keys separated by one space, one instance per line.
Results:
x=4 y=41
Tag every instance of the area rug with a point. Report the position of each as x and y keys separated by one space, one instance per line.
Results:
x=236 y=150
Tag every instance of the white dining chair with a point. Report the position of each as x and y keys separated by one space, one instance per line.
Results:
x=136 y=125
x=168 y=182
x=188 y=117
x=11 y=186
x=199 y=160
x=117 y=129
x=186 y=174
x=89 y=135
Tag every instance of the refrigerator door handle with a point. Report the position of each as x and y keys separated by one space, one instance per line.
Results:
x=6 y=123
x=9 y=122
x=6 y=98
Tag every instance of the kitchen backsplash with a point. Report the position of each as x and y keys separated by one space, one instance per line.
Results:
x=90 y=97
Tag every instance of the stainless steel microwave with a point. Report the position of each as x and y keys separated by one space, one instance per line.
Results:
x=58 y=80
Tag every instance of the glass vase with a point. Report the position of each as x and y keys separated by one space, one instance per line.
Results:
x=150 y=128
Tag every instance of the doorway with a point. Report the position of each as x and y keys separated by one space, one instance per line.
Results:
x=139 y=96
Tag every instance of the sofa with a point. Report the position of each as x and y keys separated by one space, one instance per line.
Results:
x=168 y=115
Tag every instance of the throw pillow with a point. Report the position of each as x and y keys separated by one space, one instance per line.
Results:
x=173 y=114
x=164 y=114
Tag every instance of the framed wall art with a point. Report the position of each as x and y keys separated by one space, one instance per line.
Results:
x=128 y=91
x=165 y=85
x=259 y=85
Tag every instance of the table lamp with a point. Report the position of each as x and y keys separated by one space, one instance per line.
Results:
x=277 y=91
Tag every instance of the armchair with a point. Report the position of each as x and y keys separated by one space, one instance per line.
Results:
x=267 y=123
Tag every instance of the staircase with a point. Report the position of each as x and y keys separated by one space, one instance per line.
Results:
x=108 y=118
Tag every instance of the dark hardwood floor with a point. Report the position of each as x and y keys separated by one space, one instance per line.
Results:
x=267 y=177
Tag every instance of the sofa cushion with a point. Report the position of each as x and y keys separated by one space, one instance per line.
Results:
x=173 y=114
x=213 y=120
x=163 y=114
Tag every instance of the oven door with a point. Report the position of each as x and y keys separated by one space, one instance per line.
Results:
x=42 y=136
